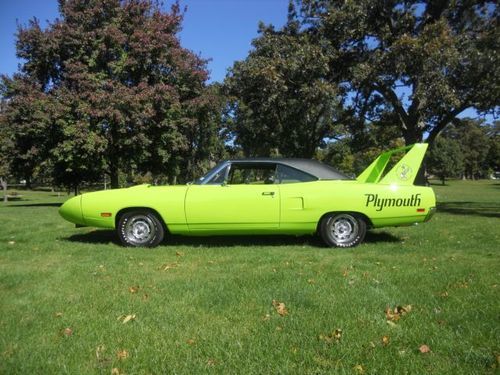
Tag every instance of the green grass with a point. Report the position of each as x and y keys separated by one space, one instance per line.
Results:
x=211 y=311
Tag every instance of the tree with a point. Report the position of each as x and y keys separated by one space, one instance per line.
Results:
x=445 y=158
x=26 y=121
x=472 y=136
x=492 y=162
x=125 y=91
x=426 y=61
x=5 y=153
x=281 y=103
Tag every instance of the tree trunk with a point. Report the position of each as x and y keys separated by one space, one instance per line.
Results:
x=4 y=187
x=76 y=190
x=114 y=180
x=28 y=182
x=410 y=135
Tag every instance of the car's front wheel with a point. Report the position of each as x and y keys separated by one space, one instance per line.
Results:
x=140 y=228
x=342 y=229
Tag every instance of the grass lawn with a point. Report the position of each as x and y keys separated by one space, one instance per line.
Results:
x=74 y=301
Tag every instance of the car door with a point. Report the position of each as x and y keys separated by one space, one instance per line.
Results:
x=246 y=201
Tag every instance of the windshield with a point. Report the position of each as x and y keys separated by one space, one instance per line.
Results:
x=215 y=175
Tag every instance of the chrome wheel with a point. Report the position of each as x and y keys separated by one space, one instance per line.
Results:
x=343 y=228
x=139 y=230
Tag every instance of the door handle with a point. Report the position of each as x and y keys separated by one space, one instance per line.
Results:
x=268 y=193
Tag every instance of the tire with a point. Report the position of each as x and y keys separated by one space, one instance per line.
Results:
x=140 y=228
x=342 y=229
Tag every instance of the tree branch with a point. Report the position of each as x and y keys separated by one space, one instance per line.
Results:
x=392 y=98
x=445 y=121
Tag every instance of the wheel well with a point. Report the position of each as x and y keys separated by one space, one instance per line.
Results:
x=368 y=222
x=129 y=209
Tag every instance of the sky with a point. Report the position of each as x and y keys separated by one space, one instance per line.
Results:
x=221 y=30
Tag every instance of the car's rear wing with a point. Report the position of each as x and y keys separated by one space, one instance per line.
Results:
x=403 y=173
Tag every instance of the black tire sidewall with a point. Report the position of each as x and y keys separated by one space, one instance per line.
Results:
x=330 y=242
x=159 y=232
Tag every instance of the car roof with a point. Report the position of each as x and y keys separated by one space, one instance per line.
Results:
x=313 y=167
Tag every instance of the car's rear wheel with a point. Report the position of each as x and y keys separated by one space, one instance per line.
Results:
x=342 y=229
x=140 y=228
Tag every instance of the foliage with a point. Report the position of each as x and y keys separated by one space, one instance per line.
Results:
x=282 y=104
x=426 y=62
x=26 y=123
x=492 y=162
x=472 y=136
x=445 y=158
x=126 y=94
x=360 y=146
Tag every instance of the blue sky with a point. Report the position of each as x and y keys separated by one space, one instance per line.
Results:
x=218 y=29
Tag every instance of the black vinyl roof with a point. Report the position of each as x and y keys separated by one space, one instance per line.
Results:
x=312 y=167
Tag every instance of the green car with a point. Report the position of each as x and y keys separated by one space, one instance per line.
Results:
x=265 y=196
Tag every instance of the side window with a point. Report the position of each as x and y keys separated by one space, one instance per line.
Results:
x=289 y=175
x=251 y=174
x=218 y=178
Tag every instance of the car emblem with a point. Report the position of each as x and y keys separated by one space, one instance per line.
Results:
x=404 y=171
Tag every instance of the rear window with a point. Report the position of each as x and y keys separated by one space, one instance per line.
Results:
x=289 y=175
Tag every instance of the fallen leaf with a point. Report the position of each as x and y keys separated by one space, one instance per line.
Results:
x=128 y=318
x=385 y=340
x=99 y=352
x=116 y=371
x=311 y=281
x=390 y=315
x=444 y=294
x=12 y=242
x=335 y=336
x=211 y=362
x=397 y=313
x=280 y=308
x=122 y=354
x=68 y=331
x=424 y=349
x=345 y=273
x=58 y=314
x=359 y=369
x=191 y=341
x=133 y=289
x=145 y=296
x=179 y=254
x=168 y=266
x=266 y=317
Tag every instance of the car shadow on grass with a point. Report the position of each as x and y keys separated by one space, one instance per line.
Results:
x=37 y=205
x=486 y=209
x=109 y=236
